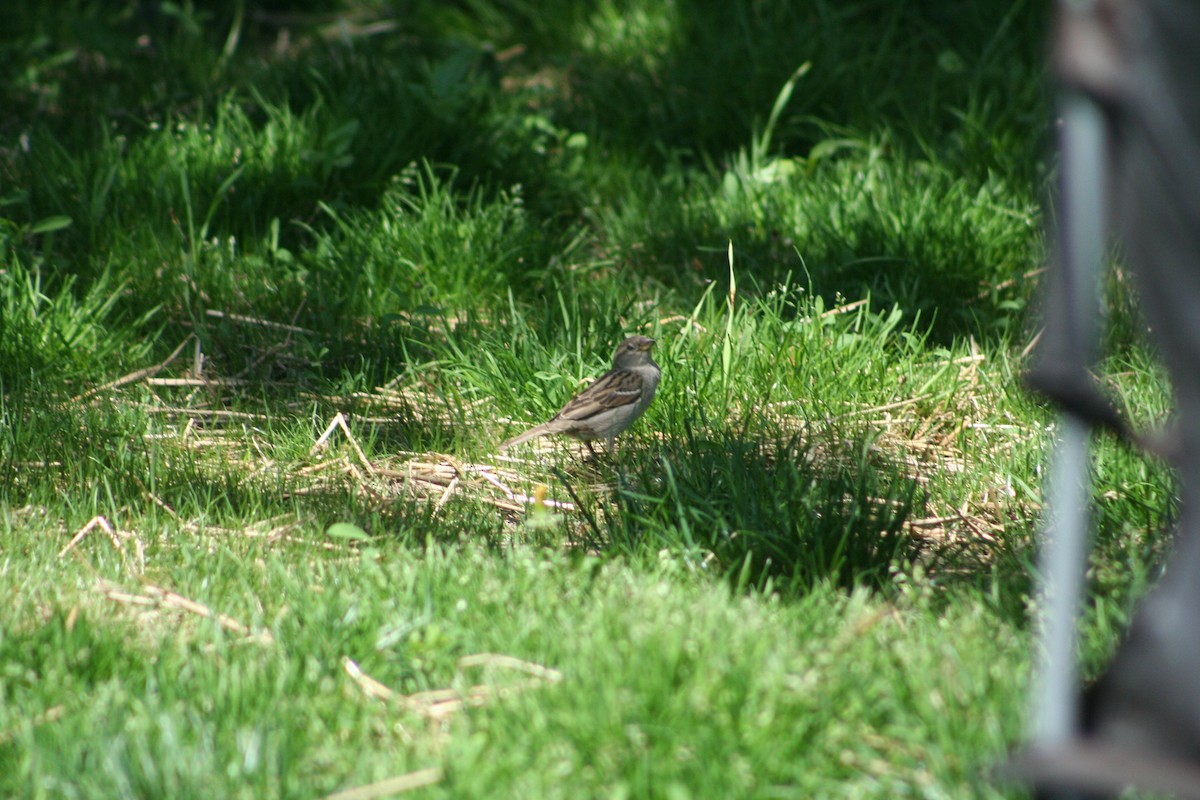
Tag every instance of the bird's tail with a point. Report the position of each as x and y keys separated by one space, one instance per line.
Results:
x=532 y=433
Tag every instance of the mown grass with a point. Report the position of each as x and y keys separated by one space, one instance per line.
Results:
x=276 y=279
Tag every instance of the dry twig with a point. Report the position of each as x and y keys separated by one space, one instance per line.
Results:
x=136 y=375
x=390 y=786
x=439 y=704
x=158 y=597
x=339 y=421
x=115 y=536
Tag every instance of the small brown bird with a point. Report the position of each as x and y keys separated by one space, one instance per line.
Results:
x=611 y=404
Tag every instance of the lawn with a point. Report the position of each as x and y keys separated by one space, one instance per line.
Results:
x=277 y=279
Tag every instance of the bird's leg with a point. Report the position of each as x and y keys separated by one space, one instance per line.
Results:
x=591 y=449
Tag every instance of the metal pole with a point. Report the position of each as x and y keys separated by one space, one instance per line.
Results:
x=1063 y=558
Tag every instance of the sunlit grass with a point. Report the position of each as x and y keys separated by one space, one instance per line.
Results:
x=273 y=293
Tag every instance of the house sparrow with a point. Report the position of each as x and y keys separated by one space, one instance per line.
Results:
x=611 y=404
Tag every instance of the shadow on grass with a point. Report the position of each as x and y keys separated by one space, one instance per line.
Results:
x=948 y=289
x=110 y=459
x=784 y=513
x=266 y=134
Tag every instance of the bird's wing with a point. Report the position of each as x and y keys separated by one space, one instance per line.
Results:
x=616 y=388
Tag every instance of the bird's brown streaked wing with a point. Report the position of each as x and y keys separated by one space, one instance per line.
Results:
x=613 y=390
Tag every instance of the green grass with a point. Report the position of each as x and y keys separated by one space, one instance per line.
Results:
x=806 y=572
